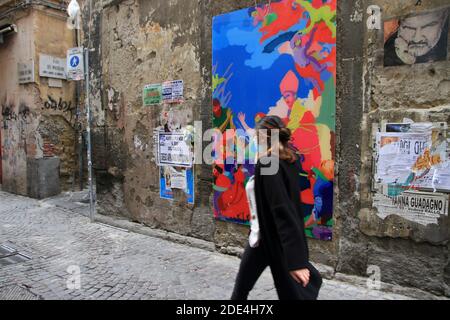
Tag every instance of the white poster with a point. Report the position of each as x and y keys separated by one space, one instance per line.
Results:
x=397 y=154
x=414 y=155
x=172 y=91
x=413 y=159
x=178 y=179
x=173 y=150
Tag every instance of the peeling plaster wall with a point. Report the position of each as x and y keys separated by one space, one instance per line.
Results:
x=143 y=42
x=30 y=125
x=56 y=127
x=146 y=50
x=18 y=140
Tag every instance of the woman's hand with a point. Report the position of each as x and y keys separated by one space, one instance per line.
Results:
x=301 y=276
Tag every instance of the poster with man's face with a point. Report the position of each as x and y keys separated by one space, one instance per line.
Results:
x=417 y=38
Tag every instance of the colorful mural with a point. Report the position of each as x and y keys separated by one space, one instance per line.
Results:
x=277 y=59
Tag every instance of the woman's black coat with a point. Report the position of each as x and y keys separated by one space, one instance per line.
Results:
x=281 y=220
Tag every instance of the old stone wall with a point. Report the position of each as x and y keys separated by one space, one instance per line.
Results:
x=57 y=127
x=38 y=120
x=133 y=54
x=143 y=42
x=18 y=139
x=404 y=250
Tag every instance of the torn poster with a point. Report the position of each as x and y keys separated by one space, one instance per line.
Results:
x=412 y=160
x=416 y=127
x=421 y=207
x=171 y=178
x=178 y=179
x=397 y=153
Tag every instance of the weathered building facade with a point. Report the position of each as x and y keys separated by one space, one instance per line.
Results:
x=140 y=42
x=38 y=115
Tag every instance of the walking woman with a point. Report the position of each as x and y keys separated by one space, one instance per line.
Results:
x=282 y=243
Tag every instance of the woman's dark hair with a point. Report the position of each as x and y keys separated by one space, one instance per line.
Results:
x=270 y=123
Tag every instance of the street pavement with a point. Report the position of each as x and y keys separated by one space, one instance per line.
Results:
x=72 y=258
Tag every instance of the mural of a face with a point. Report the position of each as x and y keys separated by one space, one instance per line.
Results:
x=289 y=88
x=421 y=33
x=289 y=98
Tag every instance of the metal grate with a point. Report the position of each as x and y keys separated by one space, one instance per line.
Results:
x=15 y=292
x=9 y=255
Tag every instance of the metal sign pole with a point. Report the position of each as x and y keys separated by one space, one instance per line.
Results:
x=88 y=138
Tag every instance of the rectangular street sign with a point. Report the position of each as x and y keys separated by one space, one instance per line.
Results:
x=75 y=64
x=52 y=67
x=26 y=72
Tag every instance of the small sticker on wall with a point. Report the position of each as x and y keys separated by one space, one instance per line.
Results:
x=173 y=91
x=152 y=94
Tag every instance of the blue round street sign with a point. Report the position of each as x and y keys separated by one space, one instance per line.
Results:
x=74 y=61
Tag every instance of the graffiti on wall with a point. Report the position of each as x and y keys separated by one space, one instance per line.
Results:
x=24 y=111
x=15 y=124
x=10 y=114
x=278 y=59
x=61 y=105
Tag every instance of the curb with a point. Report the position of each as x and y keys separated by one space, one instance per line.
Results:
x=155 y=233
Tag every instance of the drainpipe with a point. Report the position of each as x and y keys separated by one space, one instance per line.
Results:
x=89 y=117
x=88 y=133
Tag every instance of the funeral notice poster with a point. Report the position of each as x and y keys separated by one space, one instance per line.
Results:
x=173 y=150
x=416 y=160
x=422 y=207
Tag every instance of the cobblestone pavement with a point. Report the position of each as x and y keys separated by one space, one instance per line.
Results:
x=116 y=264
